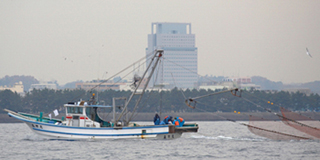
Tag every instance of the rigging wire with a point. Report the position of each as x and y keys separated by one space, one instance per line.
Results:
x=156 y=58
x=251 y=126
x=104 y=116
x=142 y=106
x=262 y=129
x=148 y=97
x=280 y=116
x=248 y=93
x=216 y=82
x=247 y=125
x=193 y=71
x=174 y=81
x=143 y=58
x=126 y=76
x=244 y=99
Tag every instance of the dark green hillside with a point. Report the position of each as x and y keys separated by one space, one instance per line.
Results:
x=173 y=101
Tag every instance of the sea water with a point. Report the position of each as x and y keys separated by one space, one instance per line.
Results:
x=215 y=140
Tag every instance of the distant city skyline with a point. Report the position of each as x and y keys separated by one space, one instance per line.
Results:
x=68 y=41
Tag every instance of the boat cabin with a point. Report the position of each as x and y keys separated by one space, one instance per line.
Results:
x=83 y=114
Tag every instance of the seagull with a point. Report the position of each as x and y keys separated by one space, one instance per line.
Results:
x=308 y=53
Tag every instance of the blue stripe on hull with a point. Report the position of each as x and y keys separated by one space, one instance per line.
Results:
x=81 y=134
x=91 y=128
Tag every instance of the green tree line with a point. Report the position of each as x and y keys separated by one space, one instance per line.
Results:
x=166 y=101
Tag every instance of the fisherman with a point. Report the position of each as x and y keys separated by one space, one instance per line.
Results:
x=92 y=99
x=166 y=120
x=178 y=121
x=181 y=121
x=156 y=119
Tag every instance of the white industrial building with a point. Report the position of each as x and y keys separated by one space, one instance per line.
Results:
x=180 y=67
x=17 y=87
x=43 y=86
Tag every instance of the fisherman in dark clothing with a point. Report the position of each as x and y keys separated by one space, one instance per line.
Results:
x=156 y=119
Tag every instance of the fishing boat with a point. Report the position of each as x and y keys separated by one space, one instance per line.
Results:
x=82 y=120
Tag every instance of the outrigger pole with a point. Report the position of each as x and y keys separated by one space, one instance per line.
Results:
x=193 y=100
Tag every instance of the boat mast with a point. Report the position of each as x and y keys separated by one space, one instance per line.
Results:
x=157 y=56
x=161 y=85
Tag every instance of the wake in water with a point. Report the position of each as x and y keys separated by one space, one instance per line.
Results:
x=249 y=139
x=221 y=137
x=35 y=137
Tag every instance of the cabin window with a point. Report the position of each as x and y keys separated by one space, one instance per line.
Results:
x=75 y=110
x=90 y=113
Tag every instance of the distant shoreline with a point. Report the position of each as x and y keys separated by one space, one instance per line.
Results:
x=198 y=116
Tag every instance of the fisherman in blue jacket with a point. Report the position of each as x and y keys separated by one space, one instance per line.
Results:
x=178 y=121
x=166 y=120
x=181 y=121
x=156 y=119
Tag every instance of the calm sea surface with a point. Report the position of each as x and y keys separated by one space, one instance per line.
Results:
x=215 y=140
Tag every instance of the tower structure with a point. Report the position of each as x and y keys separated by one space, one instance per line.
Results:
x=180 y=67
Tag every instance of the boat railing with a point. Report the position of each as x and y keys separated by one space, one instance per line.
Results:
x=17 y=114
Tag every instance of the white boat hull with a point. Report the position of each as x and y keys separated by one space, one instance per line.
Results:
x=69 y=132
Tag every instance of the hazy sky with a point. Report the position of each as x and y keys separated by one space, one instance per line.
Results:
x=81 y=40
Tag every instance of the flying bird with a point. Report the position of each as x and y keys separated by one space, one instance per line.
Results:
x=308 y=53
